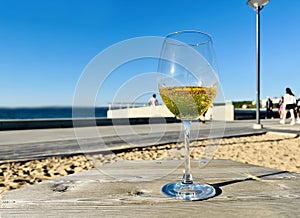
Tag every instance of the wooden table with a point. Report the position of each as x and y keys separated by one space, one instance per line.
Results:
x=132 y=189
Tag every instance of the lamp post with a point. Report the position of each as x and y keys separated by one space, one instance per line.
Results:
x=258 y=6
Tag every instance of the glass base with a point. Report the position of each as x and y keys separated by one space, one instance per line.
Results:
x=189 y=192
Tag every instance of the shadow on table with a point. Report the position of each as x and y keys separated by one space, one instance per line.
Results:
x=218 y=186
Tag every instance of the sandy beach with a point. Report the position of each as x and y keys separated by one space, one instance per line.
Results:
x=274 y=150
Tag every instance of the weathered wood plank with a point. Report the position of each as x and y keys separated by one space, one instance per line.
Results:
x=132 y=189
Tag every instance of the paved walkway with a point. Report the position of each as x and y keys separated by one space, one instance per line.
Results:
x=42 y=135
x=274 y=125
x=29 y=144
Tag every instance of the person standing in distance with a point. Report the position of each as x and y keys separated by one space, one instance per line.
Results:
x=153 y=101
x=269 y=106
x=289 y=101
x=280 y=107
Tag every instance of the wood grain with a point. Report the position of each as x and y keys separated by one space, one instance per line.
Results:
x=123 y=189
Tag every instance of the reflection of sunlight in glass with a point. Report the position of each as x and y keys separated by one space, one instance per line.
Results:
x=173 y=69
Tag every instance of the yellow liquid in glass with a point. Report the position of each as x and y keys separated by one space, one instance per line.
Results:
x=188 y=102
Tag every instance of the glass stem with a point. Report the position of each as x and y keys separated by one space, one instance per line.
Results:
x=187 y=176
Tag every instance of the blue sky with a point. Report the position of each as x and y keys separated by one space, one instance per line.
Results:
x=45 y=45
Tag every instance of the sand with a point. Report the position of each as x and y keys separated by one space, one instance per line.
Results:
x=274 y=150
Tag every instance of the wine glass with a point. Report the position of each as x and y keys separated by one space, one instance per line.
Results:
x=188 y=85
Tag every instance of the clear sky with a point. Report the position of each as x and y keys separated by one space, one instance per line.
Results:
x=45 y=45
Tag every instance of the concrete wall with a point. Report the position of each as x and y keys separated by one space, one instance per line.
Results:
x=217 y=112
x=223 y=112
x=157 y=111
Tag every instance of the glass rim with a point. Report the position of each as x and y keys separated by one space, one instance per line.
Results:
x=209 y=38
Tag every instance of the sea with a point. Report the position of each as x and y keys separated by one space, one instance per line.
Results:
x=97 y=112
x=50 y=113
